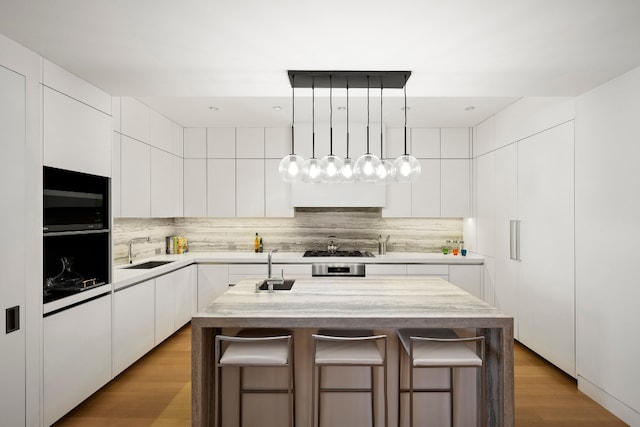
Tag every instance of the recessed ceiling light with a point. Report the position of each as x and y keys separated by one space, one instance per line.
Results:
x=408 y=108
x=277 y=108
x=340 y=107
x=214 y=108
x=470 y=108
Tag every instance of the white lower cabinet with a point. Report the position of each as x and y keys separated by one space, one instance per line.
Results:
x=133 y=324
x=213 y=280
x=438 y=270
x=76 y=355
x=174 y=302
x=467 y=277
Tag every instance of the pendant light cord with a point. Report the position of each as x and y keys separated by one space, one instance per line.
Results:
x=293 y=111
x=330 y=115
x=347 y=119
x=313 y=120
x=405 y=115
x=381 y=148
x=368 y=152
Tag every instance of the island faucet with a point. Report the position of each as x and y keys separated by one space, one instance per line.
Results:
x=130 y=243
x=269 y=262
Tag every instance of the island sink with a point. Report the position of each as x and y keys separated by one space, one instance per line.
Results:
x=278 y=284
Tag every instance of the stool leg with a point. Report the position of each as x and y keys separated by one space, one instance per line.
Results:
x=319 y=396
x=373 y=397
x=240 y=397
x=290 y=392
x=386 y=392
x=451 y=413
x=410 y=394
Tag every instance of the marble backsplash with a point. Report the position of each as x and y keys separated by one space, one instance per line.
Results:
x=354 y=228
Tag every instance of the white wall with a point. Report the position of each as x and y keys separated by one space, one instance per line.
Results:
x=607 y=231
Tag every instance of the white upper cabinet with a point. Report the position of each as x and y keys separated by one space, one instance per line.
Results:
x=455 y=143
x=195 y=143
x=76 y=136
x=135 y=169
x=178 y=186
x=162 y=187
x=455 y=184
x=277 y=193
x=277 y=143
x=398 y=201
x=425 y=143
x=394 y=142
x=135 y=119
x=250 y=143
x=116 y=175
x=160 y=131
x=177 y=140
x=195 y=187
x=76 y=123
x=250 y=188
x=221 y=187
x=221 y=143
x=483 y=139
x=425 y=192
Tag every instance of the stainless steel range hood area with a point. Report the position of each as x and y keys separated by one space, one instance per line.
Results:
x=338 y=195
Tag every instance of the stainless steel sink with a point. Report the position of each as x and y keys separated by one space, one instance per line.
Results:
x=278 y=284
x=148 y=265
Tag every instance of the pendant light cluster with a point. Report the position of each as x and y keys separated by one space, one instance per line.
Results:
x=331 y=169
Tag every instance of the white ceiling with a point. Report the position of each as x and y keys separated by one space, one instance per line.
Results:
x=181 y=57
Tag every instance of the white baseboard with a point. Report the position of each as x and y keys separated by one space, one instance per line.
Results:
x=610 y=403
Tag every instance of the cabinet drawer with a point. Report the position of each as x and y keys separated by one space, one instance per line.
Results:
x=428 y=270
x=384 y=269
x=291 y=270
x=248 y=269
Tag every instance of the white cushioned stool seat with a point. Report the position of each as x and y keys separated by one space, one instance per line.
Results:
x=256 y=352
x=352 y=352
x=431 y=353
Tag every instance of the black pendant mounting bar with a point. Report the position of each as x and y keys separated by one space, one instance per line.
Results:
x=355 y=79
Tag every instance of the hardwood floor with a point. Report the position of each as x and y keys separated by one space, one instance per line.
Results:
x=156 y=391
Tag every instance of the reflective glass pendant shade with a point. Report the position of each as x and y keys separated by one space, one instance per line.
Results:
x=290 y=168
x=365 y=169
x=384 y=172
x=406 y=169
x=331 y=167
x=347 y=171
x=311 y=172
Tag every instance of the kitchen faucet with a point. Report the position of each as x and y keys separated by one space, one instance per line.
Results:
x=269 y=262
x=135 y=239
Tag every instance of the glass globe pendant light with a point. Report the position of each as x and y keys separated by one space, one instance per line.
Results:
x=348 y=164
x=290 y=166
x=384 y=169
x=331 y=166
x=406 y=168
x=367 y=164
x=311 y=172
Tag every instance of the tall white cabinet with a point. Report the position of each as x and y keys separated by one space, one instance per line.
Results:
x=13 y=256
x=524 y=171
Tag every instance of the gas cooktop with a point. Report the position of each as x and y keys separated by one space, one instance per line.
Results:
x=337 y=254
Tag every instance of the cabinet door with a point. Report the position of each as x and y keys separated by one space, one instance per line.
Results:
x=213 y=281
x=195 y=187
x=425 y=192
x=134 y=117
x=455 y=186
x=76 y=136
x=221 y=188
x=13 y=256
x=250 y=143
x=277 y=192
x=115 y=175
x=164 y=307
x=185 y=294
x=160 y=131
x=506 y=209
x=76 y=356
x=162 y=186
x=545 y=208
x=467 y=277
x=398 y=201
x=178 y=186
x=135 y=186
x=250 y=190
x=133 y=324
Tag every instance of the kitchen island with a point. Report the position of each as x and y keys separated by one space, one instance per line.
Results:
x=369 y=303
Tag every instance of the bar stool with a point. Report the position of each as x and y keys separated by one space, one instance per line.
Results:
x=254 y=348
x=439 y=348
x=348 y=348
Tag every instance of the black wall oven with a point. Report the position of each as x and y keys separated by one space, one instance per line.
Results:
x=76 y=232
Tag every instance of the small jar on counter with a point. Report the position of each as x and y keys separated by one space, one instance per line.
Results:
x=455 y=247
x=447 y=247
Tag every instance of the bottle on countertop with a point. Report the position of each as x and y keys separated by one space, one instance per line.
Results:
x=455 y=248
x=260 y=245
x=463 y=250
x=447 y=247
x=256 y=244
